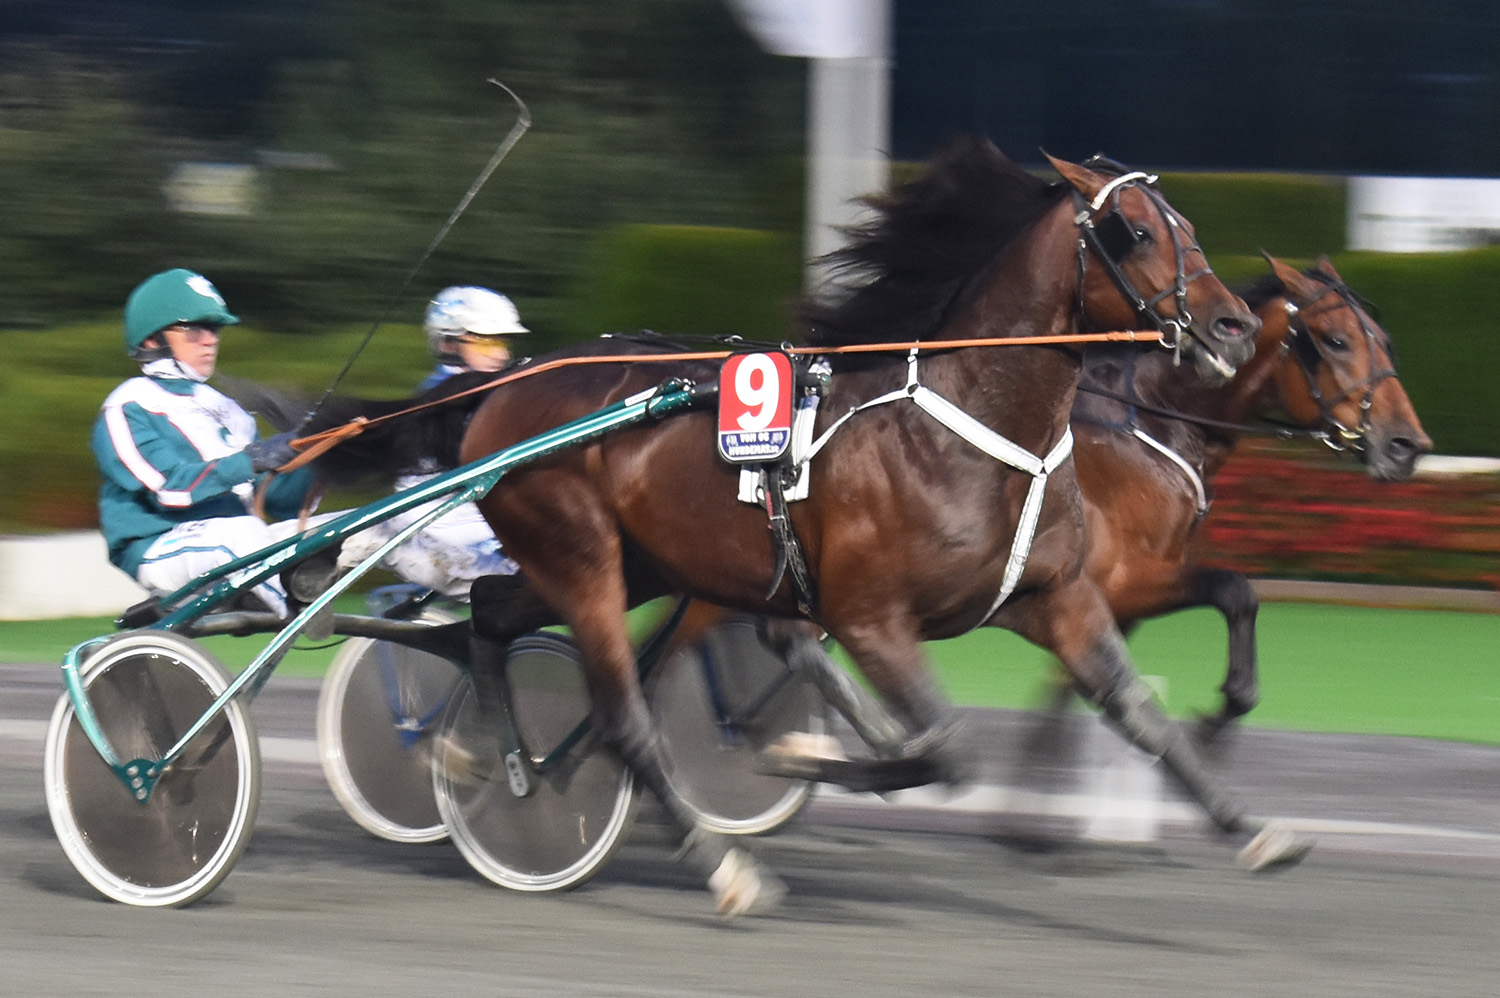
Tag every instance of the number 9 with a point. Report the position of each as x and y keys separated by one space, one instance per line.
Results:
x=759 y=400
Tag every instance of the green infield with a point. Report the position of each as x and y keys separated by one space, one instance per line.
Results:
x=1423 y=673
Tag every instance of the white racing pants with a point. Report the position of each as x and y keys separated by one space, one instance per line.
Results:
x=447 y=555
x=189 y=550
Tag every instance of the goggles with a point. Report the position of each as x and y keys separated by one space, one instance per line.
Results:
x=194 y=332
x=484 y=344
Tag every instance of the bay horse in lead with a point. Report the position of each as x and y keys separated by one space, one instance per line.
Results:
x=1150 y=443
x=910 y=525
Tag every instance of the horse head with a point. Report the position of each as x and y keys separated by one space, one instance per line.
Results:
x=1131 y=241
x=1336 y=370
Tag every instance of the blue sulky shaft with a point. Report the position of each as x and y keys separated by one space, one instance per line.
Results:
x=465 y=484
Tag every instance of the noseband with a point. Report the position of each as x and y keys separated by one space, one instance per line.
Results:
x=1112 y=238
x=1304 y=347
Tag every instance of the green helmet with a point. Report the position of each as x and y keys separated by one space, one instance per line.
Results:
x=170 y=297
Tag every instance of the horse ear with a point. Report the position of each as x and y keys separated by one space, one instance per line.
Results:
x=1326 y=266
x=1290 y=279
x=1084 y=180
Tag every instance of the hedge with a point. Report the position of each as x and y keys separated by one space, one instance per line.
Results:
x=689 y=279
x=683 y=279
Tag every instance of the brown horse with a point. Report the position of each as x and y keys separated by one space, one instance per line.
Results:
x=1149 y=445
x=913 y=530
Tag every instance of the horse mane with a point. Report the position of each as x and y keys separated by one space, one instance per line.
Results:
x=1261 y=290
x=902 y=271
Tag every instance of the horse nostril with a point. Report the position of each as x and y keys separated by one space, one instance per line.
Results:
x=1228 y=329
x=1402 y=449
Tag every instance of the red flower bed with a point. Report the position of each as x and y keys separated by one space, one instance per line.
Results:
x=1293 y=510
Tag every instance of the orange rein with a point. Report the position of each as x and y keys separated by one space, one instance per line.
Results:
x=317 y=444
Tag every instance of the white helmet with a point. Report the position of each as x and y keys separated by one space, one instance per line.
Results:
x=468 y=311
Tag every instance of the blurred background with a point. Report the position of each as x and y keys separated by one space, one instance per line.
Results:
x=688 y=156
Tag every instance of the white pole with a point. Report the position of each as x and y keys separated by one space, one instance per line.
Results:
x=848 y=144
x=848 y=45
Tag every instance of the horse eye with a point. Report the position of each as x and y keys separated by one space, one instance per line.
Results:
x=1143 y=235
x=1336 y=343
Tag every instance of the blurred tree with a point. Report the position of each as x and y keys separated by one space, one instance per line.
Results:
x=80 y=173
x=369 y=121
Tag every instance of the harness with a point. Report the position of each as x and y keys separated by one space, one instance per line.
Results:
x=1132 y=426
x=968 y=428
x=1111 y=238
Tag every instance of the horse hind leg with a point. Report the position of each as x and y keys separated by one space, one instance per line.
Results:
x=797 y=644
x=917 y=744
x=623 y=719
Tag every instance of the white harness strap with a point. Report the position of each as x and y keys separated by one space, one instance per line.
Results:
x=993 y=444
x=1180 y=461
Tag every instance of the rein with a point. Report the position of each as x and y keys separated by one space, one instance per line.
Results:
x=1270 y=427
x=315 y=445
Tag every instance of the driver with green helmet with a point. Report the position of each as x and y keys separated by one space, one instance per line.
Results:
x=180 y=460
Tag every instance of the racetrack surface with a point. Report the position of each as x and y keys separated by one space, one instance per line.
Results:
x=927 y=894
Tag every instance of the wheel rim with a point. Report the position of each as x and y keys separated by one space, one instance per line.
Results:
x=176 y=847
x=569 y=826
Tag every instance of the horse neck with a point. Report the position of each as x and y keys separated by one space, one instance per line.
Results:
x=1260 y=385
x=1031 y=289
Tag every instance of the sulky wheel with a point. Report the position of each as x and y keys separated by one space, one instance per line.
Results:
x=549 y=820
x=377 y=711
x=717 y=704
x=147 y=688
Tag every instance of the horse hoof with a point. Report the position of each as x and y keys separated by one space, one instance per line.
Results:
x=801 y=755
x=741 y=887
x=1274 y=847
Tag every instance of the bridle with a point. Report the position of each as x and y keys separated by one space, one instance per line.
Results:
x=1309 y=353
x=1112 y=238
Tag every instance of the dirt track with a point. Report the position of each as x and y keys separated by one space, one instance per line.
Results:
x=1400 y=899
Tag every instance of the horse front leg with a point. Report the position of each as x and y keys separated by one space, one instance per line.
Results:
x=1075 y=624
x=1232 y=595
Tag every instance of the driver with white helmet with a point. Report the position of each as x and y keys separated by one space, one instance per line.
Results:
x=467 y=329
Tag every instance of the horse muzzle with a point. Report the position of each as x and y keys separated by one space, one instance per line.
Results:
x=1220 y=346
x=1390 y=455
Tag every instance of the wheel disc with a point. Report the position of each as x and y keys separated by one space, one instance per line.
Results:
x=717 y=704
x=377 y=711
x=147 y=689
x=576 y=814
